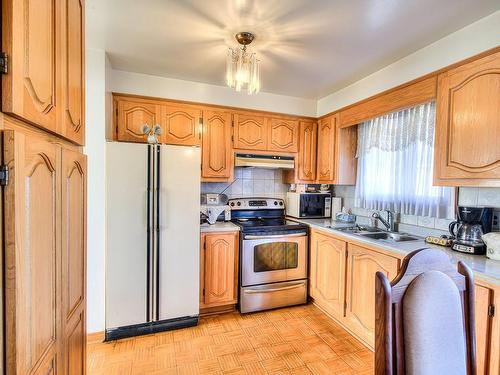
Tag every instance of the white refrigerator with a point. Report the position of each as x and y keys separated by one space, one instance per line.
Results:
x=153 y=238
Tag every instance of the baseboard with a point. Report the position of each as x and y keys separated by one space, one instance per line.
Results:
x=95 y=337
x=151 y=327
x=216 y=310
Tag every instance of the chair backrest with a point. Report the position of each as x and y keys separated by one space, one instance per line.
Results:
x=424 y=319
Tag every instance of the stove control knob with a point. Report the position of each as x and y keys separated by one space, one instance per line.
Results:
x=281 y=203
x=275 y=203
x=232 y=204
x=239 y=204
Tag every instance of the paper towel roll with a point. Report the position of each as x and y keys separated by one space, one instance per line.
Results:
x=336 y=205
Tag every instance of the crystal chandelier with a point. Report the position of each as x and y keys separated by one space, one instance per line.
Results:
x=242 y=66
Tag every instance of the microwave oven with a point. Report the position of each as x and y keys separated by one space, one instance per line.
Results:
x=309 y=205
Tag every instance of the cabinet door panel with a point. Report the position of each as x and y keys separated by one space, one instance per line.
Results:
x=467 y=119
x=283 y=135
x=327 y=277
x=307 y=152
x=220 y=275
x=217 y=154
x=132 y=115
x=73 y=230
x=483 y=300
x=250 y=132
x=72 y=71
x=182 y=125
x=29 y=39
x=326 y=150
x=32 y=253
x=362 y=265
x=75 y=347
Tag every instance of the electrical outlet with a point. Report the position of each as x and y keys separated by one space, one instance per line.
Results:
x=496 y=221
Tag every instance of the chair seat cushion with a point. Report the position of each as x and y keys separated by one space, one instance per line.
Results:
x=433 y=326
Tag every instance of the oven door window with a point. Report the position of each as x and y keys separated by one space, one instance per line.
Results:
x=275 y=256
x=312 y=205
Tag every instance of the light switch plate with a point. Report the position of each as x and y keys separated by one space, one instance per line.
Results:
x=496 y=221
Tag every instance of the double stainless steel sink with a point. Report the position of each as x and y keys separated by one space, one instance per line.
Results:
x=377 y=234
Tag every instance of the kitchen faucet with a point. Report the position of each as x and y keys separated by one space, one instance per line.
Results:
x=389 y=223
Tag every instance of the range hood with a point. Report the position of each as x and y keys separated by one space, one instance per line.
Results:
x=264 y=161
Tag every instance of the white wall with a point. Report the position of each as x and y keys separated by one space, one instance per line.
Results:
x=148 y=85
x=471 y=40
x=95 y=150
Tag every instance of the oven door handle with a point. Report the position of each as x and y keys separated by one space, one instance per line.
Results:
x=271 y=236
x=256 y=291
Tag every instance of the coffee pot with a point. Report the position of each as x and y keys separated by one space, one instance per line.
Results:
x=468 y=230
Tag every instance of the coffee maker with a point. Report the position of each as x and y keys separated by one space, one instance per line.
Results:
x=468 y=230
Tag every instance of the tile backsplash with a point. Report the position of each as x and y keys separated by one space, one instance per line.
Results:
x=421 y=225
x=250 y=182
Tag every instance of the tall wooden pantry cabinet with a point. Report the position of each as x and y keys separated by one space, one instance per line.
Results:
x=43 y=175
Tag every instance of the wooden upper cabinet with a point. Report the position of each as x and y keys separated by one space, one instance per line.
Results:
x=362 y=265
x=468 y=124
x=217 y=162
x=32 y=254
x=306 y=159
x=250 y=132
x=283 y=135
x=73 y=198
x=44 y=85
x=131 y=114
x=326 y=150
x=327 y=273
x=72 y=72
x=182 y=125
x=29 y=37
x=220 y=268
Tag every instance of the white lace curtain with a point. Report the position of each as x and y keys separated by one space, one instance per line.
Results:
x=395 y=165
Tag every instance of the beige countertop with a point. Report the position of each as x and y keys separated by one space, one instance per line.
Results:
x=484 y=268
x=220 y=226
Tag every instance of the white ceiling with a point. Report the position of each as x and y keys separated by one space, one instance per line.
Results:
x=307 y=48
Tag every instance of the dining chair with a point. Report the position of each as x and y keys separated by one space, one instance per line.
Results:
x=424 y=318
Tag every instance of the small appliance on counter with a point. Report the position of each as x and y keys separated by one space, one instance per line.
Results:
x=468 y=230
x=214 y=208
x=492 y=241
x=309 y=205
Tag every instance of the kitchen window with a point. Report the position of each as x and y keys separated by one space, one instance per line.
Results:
x=395 y=165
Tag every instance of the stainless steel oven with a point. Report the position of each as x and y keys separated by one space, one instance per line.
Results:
x=273 y=271
x=273 y=255
x=273 y=258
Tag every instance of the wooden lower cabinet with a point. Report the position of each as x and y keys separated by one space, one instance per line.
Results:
x=327 y=273
x=362 y=265
x=487 y=329
x=44 y=216
x=218 y=269
x=342 y=283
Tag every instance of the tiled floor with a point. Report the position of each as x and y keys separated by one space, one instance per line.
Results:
x=297 y=340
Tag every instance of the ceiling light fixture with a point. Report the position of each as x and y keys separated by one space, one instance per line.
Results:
x=242 y=66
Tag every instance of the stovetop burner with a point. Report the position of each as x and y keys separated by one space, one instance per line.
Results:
x=268 y=216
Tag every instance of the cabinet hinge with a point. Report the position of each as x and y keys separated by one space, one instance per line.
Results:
x=491 y=310
x=203 y=292
x=204 y=245
x=4 y=175
x=4 y=63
